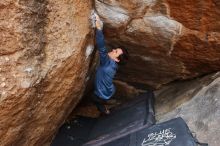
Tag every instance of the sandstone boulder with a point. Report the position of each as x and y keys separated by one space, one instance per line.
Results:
x=197 y=102
x=167 y=40
x=45 y=53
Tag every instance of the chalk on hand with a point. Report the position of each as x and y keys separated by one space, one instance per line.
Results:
x=94 y=17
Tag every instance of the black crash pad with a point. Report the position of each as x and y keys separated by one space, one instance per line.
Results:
x=75 y=133
x=174 y=132
x=122 y=121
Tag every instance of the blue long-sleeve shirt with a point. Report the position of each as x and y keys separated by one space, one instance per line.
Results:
x=104 y=87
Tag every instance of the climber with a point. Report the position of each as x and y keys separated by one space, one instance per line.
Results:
x=109 y=61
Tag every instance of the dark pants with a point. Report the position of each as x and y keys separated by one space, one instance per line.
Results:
x=100 y=103
x=95 y=98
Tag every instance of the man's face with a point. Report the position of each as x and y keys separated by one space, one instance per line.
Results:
x=115 y=53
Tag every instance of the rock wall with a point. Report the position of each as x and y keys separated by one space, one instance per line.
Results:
x=167 y=40
x=197 y=102
x=45 y=53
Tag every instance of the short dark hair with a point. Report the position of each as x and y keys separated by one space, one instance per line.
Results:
x=123 y=57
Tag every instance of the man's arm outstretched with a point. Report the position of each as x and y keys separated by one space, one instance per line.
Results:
x=100 y=41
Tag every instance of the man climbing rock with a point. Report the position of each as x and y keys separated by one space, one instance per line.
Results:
x=104 y=87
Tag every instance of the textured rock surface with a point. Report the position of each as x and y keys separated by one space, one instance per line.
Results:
x=167 y=40
x=197 y=102
x=45 y=51
x=45 y=56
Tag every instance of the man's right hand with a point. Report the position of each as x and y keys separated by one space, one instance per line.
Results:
x=98 y=22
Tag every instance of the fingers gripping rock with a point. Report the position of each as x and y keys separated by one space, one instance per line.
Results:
x=96 y=22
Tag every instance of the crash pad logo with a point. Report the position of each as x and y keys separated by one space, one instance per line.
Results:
x=162 y=138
